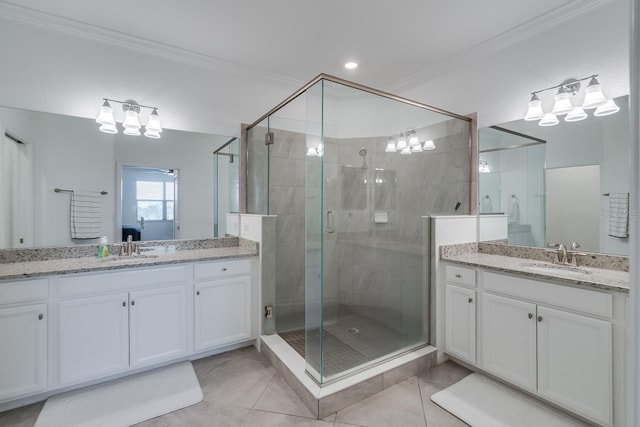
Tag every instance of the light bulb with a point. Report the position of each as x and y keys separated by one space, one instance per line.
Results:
x=609 y=107
x=534 y=112
x=108 y=128
x=429 y=145
x=154 y=122
x=594 y=96
x=402 y=142
x=131 y=121
x=391 y=146
x=562 y=104
x=106 y=114
x=549 y=119
x=575 y=115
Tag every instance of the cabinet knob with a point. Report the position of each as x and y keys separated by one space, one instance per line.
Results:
x=197 y=292
x=530 y=315
x=133 y=302
x=470 y=300
x=124 y=303
x=458 y=275
x=224 y=268
x=539 y=318
x=40 y=316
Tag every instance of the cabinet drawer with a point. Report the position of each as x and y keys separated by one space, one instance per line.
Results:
x=23 y=290
x=584 y=300
x=225 y=268
x=461 y=275
x=87 y=284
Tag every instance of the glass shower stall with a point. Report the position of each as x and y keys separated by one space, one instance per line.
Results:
x=352 y=175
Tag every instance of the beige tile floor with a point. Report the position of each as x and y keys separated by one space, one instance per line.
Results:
x=243 y=389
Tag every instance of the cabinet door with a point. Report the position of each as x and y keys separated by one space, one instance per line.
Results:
x=460 y=322
x=23 y=352
x=222 y=312
x=93 y=337
x=575 y=362
x=508 y=337
x=158 y=324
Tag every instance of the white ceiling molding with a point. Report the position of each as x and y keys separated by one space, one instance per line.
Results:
x=103 y=35
x=521 y=32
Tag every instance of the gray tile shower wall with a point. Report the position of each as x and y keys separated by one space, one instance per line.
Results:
x=376 y=265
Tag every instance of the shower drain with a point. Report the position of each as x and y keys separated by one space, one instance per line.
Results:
x=353 y=331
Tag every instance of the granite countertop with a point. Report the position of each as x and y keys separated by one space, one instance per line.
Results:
x=159 y=256
x=583 y=276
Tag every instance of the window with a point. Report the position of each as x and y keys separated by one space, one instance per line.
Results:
x=155 y=200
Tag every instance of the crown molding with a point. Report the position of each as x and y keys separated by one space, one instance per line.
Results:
x=510 y=37
x=99 y=34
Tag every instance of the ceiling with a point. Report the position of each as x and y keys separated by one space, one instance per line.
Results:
x=285 y=43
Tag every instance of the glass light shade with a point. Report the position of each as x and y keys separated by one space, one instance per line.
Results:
x=416 y=148
x=311 y=152
x=562 y=104
x=413 y=140
x=131 y=121
x=131 y=131
x=549 y=119
x=405 y=150
x=152 y=134
x=609 y=107
x=391 y=146
x=429 y=145
x=594 y=96
x=402 y=142
x=575 y=115
x=535 y=109
x=320 y=150
x=108 y=128
x=105 y=117
x=154 y=122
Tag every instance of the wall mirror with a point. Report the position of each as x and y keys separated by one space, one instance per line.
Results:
x=44 y=151
x=558 y=184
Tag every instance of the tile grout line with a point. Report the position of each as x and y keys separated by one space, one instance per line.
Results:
x=424 y=411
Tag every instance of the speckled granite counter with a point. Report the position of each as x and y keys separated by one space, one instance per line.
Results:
x=592 y=277
x=159 y=256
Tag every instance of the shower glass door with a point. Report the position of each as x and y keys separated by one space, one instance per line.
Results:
x=367 y=233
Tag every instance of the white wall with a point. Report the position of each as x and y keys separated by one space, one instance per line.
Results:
x=499 y=85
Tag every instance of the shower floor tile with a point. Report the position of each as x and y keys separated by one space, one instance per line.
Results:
x=351 y=341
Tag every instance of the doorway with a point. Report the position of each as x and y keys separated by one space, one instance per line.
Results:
x=14 y=191
x=150 y=203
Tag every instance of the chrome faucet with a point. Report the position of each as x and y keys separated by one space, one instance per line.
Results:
x=562 y=254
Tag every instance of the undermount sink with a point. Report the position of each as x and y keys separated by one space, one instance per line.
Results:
x=554 y=268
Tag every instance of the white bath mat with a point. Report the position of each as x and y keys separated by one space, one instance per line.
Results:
x=481 y=402
x=125 y=401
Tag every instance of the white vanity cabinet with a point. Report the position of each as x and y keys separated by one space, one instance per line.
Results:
x=460 y=313
x=222 y=303
x=554 y=340
x=23 y=328
x=111 y=322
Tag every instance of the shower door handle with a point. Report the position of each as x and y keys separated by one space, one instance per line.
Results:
x=330 y=228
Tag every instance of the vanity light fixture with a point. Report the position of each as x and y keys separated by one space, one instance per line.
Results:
x=484 y=167
x=131 y=122
x=412 y=146
x=594 y=98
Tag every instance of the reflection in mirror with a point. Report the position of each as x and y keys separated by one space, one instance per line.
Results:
x=226 y=200
x=511 y=184
x=600 y=142
x=149 y=204
x=70 y=153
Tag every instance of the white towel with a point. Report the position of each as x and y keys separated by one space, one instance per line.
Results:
x=85 y=214
x=618 y=215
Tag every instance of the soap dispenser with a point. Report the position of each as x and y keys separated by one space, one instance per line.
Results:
x=103 y=248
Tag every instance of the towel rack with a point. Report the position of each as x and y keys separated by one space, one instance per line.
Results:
x=58 y=190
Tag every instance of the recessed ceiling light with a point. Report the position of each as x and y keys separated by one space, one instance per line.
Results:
x=351 y=65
